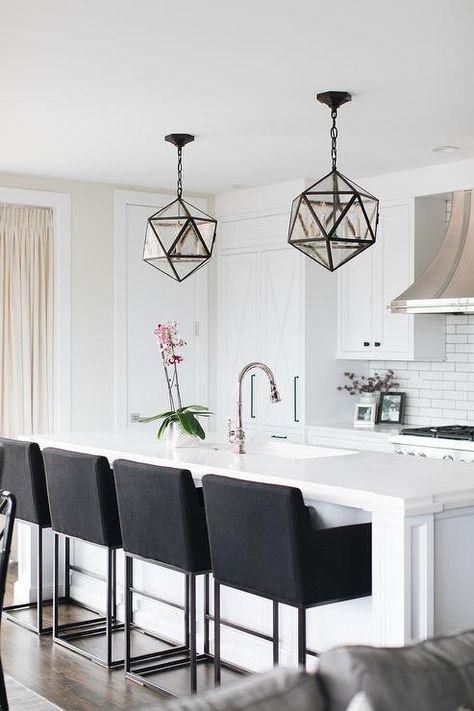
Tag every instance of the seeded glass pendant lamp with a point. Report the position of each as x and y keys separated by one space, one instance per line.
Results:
x=179 y=238
x=334 y=220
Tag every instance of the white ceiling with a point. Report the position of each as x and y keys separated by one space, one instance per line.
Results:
x=88 y=88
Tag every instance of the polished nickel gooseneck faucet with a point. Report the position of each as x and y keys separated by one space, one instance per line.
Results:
x=237 y=435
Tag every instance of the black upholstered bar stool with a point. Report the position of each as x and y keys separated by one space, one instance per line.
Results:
x=163 y=522
x=23 y=475
x=83 y=506
x=263 y=542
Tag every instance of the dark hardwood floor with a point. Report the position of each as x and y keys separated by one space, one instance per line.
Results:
x=73 y=682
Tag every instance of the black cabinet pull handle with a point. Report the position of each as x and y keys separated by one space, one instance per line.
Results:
x=252 y=396
x=279 y=436
x=377 y=344
x=366 y=343
x=295 y=404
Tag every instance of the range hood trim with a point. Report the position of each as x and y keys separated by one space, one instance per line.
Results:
x=444 y=286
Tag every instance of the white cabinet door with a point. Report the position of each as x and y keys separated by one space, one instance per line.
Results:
x=368 y=284
x=355 y=307
x=393 y=272
x=237 y=333
x=281 y=336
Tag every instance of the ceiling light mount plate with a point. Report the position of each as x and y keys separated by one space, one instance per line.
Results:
x=179 y=139
x=334 y=99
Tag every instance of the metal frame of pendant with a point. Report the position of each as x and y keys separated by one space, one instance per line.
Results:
x=191 y=217
x=326 y=236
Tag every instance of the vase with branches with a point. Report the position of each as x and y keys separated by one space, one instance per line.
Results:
x=376 y=383
x=180 y=420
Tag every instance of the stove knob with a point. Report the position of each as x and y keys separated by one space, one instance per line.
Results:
x=449 y=456
x=421 y=454
x=412 y=454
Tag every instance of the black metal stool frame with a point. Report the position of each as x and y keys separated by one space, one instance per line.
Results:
x=65 y=634
x=274 y=638
x=186 y=653
x=40 y=602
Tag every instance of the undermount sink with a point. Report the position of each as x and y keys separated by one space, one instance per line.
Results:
x=286 y=450
x=293 y=451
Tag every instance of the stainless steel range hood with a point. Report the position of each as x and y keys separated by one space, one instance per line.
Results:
x=447 y=284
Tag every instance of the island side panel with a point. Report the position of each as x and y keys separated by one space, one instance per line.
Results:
x=454 y=570
x=402 y=577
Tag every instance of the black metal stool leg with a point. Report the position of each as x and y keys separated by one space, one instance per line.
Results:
x=128 y=608
x=192 y=632
x=302 y=637
x=217 y=633
x=67 y=563
x=276 y=635
x=206 y=614
x=55 y=586
x=39 y=580
x=114 y=585
x=109 y=604
x=186 y=611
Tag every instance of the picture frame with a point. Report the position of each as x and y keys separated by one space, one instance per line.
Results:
x=364 y=414
x=391 y=408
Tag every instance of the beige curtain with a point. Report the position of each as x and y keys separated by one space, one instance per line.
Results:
x=26 y=319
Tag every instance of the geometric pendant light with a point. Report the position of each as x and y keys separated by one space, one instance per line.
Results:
x=335 y=219
x=179 y=238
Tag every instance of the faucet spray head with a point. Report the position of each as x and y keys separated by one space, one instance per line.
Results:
x=274 y=394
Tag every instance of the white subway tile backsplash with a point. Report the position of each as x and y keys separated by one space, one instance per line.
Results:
x=455 y=319
x=443 y=403
x=454 y=415
x=455 y=395
x=464 y=347
x=463 y=385
x=441 y=385
x=444 y=366
x=433 y=375
x=439 y=393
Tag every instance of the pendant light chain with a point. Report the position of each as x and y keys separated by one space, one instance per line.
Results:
x=333 y=133
x=180 y=172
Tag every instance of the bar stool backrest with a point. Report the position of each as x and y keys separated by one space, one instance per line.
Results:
x=257 y=534
x=23 y=475
x=161 y=515
x=82 y=497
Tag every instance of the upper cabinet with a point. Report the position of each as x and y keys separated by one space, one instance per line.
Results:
x=366 y=327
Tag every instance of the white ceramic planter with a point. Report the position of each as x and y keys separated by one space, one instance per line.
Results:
x=177 y=438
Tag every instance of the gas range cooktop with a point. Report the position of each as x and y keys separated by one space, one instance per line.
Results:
x=463 y=432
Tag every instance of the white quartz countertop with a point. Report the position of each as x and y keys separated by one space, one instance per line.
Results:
x=372 y=481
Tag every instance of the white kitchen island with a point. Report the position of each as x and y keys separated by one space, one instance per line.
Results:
x=422 y=514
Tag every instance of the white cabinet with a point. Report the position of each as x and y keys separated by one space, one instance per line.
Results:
x=237 y=332
x=366 y=327
x=260 y=317
x=281 y=336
